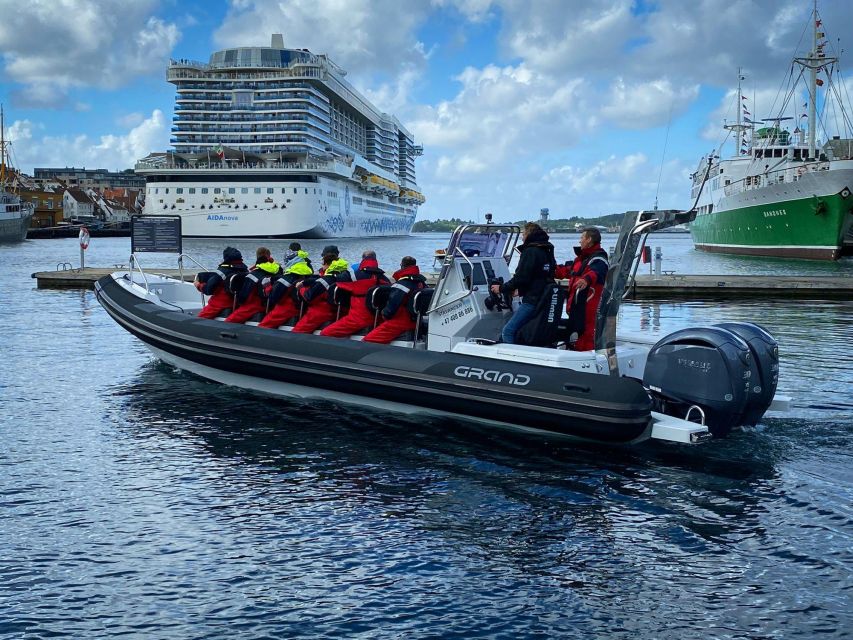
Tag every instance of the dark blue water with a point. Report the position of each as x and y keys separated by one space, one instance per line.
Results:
x=138 y=501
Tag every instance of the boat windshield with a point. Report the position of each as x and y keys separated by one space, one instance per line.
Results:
x=484 y=241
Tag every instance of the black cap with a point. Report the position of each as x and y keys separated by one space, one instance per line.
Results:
x=330 y=249
x=230 y=253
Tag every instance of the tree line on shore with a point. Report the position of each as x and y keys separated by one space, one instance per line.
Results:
x=559 y=225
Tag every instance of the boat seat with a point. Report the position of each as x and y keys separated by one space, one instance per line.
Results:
x=419 y=304
x=341 y=298
x=376 y=301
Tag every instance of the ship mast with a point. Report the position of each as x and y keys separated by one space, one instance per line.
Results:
x=813 y=86
x=2 y=149
x=740 y=127
x=814 y=62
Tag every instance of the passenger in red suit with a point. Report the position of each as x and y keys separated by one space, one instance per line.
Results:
x=213 y=284
x=367 y=275
x=250 y=298
x=396 y=316
x=282 y=304
x=317 y=294
x=586 y=275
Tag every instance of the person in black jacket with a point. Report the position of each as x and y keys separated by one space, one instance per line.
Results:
x=535 y=270
x=213 y=284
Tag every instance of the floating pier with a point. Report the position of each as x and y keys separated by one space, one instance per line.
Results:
x=670 y=286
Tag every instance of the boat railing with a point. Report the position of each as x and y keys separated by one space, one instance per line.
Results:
x=191 y=259
x=134 y=262
x=779 y=176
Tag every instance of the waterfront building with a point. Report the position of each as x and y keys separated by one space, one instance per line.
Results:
x=90 y=178
x=274 y=142
x=78 y=205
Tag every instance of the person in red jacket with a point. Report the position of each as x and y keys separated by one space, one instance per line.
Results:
x=250 y=298
x=317 y=292
x=213 y=284
x=586 y=275
x=367 y=275
x=396 y=317
x=282 y=303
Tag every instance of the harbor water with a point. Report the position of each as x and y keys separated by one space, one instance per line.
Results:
x=141 y=502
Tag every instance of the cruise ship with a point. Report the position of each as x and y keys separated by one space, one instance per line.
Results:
x=782 y=193
x=270 y=142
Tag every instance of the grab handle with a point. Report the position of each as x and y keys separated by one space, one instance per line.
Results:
x=576 y=387
x=228 y=334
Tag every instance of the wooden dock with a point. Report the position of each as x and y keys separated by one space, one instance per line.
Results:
x=673 y=286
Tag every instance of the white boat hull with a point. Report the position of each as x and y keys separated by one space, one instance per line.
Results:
x=278 y=208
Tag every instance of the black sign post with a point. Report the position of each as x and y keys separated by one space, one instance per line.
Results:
x=160 y=234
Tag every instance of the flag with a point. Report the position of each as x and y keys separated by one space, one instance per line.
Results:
x=818 y=23
x=821 y=34
x=746 y=112
x=819 y=82
x=220 y=151
x=805 y=115
x=743 y=97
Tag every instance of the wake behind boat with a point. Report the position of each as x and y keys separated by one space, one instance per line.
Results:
x=682 y=388
x=782 y=194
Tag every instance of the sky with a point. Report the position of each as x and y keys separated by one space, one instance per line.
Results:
x=586 y=107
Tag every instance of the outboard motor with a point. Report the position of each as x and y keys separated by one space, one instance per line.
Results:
x=765 y=353
x=710 y=368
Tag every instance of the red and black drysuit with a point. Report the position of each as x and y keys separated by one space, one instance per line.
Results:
x=396 y=315
x=318 y=298
x=367 y=276
x=214 y=286
x=250 y=298
x=281 y=301
x=591 y=265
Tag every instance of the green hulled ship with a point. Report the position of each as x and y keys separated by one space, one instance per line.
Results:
x=780 y=194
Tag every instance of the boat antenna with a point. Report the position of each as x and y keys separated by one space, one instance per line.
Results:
x=663 y=154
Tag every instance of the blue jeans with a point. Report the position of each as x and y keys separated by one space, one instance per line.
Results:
x=523 y=312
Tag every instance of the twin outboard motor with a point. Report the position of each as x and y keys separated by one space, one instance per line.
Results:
x=729 y=372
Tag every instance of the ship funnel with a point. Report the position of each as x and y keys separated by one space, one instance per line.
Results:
x=277 y=41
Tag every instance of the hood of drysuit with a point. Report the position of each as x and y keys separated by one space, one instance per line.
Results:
x=298 y=266
x=407 y=271
x=336 y=266
x=270 y=267
x=369 y=264
x=302 y=254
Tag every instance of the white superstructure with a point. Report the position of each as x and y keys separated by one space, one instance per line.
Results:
x=273 y=142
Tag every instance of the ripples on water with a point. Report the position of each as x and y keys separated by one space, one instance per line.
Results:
x=141 y=501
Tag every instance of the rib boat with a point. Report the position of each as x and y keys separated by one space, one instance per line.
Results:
x=686 y=387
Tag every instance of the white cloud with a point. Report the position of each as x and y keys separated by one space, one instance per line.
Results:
x=363 y=36
x=53 y=46
x=108 y=152
x=646 y=104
